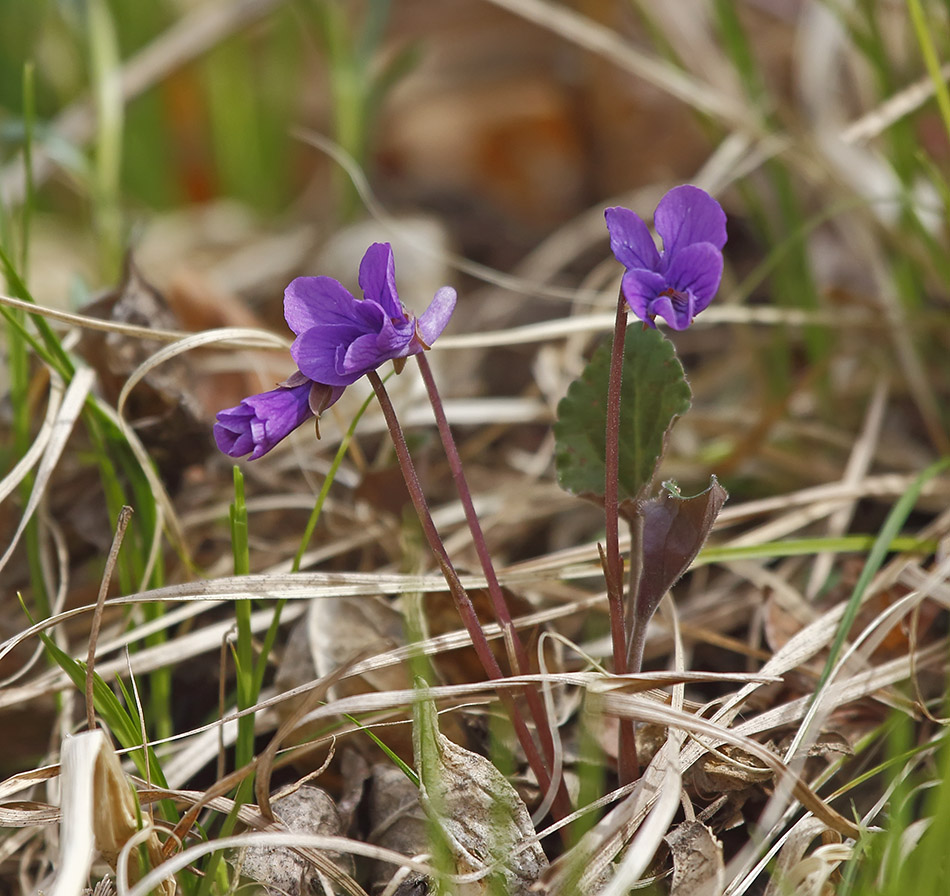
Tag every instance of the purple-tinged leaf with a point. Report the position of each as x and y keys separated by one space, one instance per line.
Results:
x=674 y=530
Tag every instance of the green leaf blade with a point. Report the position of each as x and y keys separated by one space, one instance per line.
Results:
x=654 y=394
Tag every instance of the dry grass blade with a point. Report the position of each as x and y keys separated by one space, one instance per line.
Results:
x=98 y=813
x=125 y=516
x=645 y=711
x=308 y=845
x=896 y=107
x=858 y=467
x=80 y=755
x=38 y=445
x=791 y=867
x=67 y=414
x=651 y=831
x=607 y=43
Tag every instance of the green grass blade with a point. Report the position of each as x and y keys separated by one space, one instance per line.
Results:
x=924 y=33
x=892 y=525
x=244 y=651
x=804 y=547
x=29 y=120
x=110 y=108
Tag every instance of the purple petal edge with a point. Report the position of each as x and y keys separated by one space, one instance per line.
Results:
x=688 y=215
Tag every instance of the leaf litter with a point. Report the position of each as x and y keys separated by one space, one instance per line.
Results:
x=732 y=736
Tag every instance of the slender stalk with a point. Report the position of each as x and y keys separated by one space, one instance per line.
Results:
x=610 y=555
x=517 y=655
x=638 y=638
x=611 y=559
x=636 y=624
x=462 y=601
x=244 y=649
x=121 y=525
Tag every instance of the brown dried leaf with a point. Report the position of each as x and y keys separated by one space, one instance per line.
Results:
x=698 y=868
x=162 y=408
x=396 y=821
x=728 y=770
x=826 y=744
x=484 y=821
x=99 y=809
x=307 y=810
x=114 y=819
x=26 y=813
x=340 y=628
x=674 y=530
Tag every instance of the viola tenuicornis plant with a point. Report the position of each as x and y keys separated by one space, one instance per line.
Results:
x=681 y=280
x=339 y=339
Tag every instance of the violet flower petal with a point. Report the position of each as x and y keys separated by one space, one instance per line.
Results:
x=687 y=215
x=677 y=310
x=316 y=302
x=259 y=422
x=640 y=289
x=436 y=317
x=630 y=239
x=696 y=269
x=378 y=279
x=232 y=432
x=369 y=351
x=320 y=354
x=679 y=282
x=338 y=340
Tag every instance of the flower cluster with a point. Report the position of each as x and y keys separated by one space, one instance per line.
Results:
x=338 y=339
x=679 y=282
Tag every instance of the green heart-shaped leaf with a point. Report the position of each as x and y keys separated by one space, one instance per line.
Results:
x=654 y=394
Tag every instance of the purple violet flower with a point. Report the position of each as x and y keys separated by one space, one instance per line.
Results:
x=339 y=339
x=679 y=282
x=258 y=423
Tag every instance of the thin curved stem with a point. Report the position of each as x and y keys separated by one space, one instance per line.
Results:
x=460 y=596
x=610 y=556
x=517 y=655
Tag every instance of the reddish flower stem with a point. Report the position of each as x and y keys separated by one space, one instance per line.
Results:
x=636 y=623
x=517 y=656
x=628 y=764
x=461 y=598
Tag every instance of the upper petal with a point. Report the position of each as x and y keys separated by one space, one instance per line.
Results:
x=378 y=278
x=316 y=302
x=696 y=269
x=436 y=317
x=688 y=215
x=630 y=239
x=640 y=288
